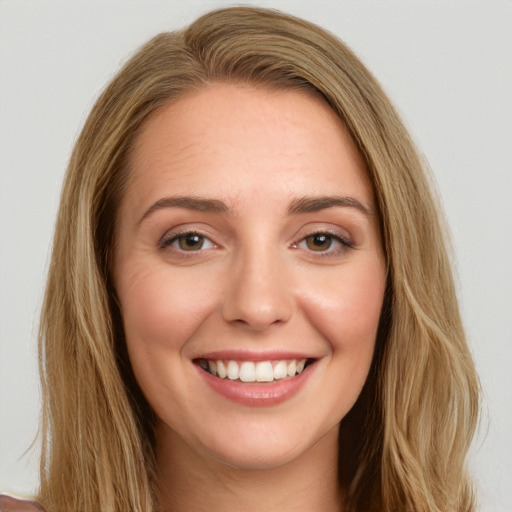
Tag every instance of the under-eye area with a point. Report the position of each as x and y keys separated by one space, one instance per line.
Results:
x=254 y=371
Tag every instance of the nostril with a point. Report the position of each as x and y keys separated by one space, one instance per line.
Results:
x=257 y=324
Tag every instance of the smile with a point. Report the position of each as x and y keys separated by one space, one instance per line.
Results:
x=256 y=379
x=251 y=371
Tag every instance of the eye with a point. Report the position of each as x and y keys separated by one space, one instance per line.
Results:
x=189 y=241
x=319 y=242
x=323 y=243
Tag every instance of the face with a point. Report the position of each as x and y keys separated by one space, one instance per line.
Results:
x=249 y=273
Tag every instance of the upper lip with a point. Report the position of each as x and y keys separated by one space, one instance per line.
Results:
x=244 y=355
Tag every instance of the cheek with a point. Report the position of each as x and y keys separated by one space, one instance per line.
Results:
x=161 y=313
x=160 y=308
x=345 y=306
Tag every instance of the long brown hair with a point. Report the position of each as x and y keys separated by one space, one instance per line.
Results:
x=418 y=411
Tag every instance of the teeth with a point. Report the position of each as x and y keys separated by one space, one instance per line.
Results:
x=221 y=370
x=248 y=371
x=232 y=370
x=264 y=371
x=280 y=370
x=212 y=367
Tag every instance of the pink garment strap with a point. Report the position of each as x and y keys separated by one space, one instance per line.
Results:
x=12 y=504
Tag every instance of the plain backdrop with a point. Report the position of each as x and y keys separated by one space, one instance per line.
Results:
x=447 y=65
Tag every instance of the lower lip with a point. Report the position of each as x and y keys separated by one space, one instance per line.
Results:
x=257 y=394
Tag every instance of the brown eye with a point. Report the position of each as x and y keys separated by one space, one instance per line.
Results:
x=190 y=242
x=319 y=242
x=187 y=241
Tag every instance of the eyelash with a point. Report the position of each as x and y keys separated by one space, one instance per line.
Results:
x=344 y=243
x=168 y=239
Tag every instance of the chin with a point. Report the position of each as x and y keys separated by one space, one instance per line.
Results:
x=258 y=458
x=254 y=447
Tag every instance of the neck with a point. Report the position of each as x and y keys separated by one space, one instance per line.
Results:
x=191 y=482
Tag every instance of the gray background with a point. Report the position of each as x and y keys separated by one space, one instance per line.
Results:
x=446 y=65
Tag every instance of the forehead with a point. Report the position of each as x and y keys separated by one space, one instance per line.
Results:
x=233 y=140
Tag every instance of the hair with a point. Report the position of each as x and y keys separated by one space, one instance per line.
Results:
x=418 y=412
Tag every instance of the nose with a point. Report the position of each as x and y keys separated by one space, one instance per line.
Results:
x=259 y=293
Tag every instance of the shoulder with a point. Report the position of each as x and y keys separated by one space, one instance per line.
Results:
x=11 y=504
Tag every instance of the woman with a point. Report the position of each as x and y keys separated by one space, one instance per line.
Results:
x=250 y=302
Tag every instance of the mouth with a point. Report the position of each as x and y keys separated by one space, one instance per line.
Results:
x=254 y=371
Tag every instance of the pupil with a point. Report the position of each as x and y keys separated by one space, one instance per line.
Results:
x=319 y=242
x=191 y=242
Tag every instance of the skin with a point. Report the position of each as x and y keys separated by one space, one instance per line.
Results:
x=258 y=283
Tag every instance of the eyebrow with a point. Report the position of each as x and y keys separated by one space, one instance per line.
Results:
x=296 y=207
x=197 y=204
x=316 y=204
